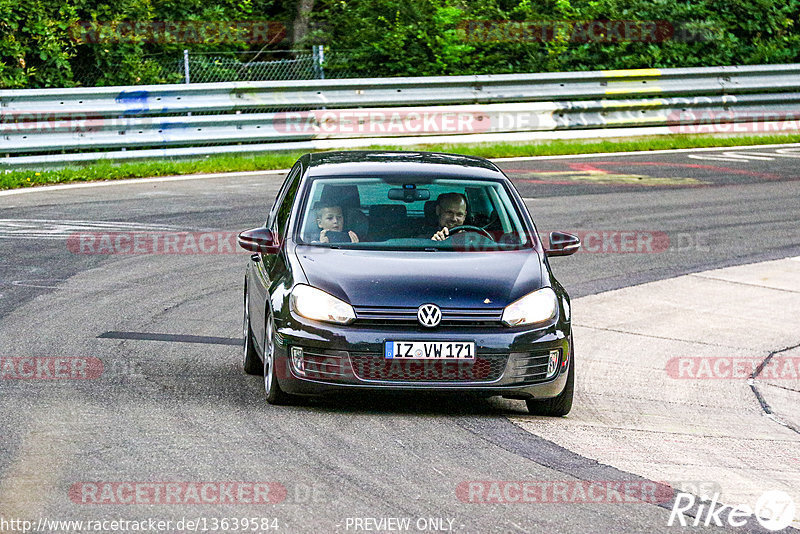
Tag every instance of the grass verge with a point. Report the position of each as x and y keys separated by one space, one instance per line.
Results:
x=282 y=160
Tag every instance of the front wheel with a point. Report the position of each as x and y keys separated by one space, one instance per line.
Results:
x=560 y=405
x=272 y=388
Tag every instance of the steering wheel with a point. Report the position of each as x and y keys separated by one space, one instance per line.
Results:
x=470 y=228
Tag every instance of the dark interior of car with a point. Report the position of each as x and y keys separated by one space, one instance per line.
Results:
x=393 y=220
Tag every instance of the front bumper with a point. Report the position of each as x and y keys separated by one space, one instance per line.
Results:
x=511 y=362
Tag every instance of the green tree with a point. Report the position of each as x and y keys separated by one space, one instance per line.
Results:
x=35 y=43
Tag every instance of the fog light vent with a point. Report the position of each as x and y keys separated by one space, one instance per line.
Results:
x=297 y=361
x=552 y=363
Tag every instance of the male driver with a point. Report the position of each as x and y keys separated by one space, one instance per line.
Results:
x=451 y=211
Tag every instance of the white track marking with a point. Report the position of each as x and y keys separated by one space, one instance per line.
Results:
x=107 y=183
x=739 y=156
x=62 y=229
x=735 y=156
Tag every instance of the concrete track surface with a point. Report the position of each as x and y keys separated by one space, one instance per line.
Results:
x=168 y=408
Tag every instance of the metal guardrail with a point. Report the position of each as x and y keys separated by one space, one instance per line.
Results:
x=86 y=124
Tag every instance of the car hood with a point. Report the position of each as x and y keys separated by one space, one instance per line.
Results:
x=410 y=279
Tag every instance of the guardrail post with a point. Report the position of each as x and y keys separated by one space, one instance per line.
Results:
x=319 y=58
x=186 y=64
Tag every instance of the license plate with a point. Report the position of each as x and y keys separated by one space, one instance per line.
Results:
x=430 y=350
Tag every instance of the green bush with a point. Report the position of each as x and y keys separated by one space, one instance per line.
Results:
x=422 y=37
x=35 y=44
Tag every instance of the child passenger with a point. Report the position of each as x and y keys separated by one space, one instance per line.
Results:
x=331 y=219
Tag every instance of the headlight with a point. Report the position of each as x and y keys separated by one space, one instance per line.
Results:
x=537 y=307
x=313 y=303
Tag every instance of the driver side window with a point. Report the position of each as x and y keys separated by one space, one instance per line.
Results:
x=285 y=209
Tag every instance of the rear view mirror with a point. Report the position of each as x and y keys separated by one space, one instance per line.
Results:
x=259 y=240
x=407 y=194
x=562 y=244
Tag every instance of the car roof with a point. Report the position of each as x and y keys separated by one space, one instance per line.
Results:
x=372 y=162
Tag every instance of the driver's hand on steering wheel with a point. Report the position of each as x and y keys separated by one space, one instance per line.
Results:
x=441 y=235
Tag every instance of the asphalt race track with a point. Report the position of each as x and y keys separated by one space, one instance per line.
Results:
x=170 y=403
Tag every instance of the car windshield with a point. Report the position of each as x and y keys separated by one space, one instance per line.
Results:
x=405 y=214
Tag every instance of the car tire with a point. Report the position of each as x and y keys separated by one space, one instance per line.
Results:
x=272 y=388
x=560 y=405
x=251 y=362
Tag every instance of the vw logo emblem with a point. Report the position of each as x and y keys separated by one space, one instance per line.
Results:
x=429 y=315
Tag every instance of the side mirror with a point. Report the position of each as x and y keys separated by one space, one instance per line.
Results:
x=562 y=244
x=259 y=240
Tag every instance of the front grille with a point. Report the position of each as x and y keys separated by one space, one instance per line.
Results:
x=373 y=366
x=408 y=317
x=529 y=367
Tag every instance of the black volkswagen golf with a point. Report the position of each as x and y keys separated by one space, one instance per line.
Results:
x=406 y=271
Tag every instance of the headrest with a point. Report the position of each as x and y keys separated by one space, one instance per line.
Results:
x=387 y=220
x=345 y=196
x=430 y=212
